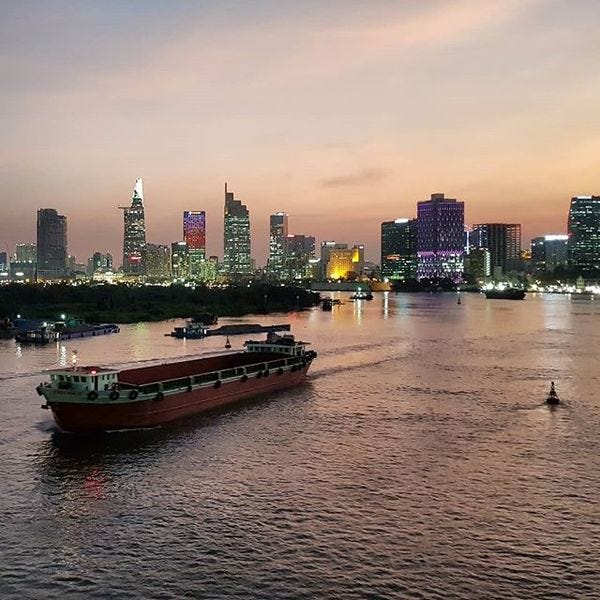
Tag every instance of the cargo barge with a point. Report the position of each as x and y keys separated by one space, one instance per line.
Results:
x=93 y=399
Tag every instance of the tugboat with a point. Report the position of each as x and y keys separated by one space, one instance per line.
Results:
x=552 y=398
x=92 y=399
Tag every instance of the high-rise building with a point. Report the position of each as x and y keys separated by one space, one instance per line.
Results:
x=101 y=262
x=584 y=235
x=538 y=254
x=194 y=235
x=478 y=264
x=399 y=249
x=158 y=261
x=503 y=240
x=51 y=244
x=26 y=253
x=440 y=238
x=345 y=263
x=134 y=233
x=278 y=232
x=180 y=261
x=3 y=261
x=556 y=250
x=237 y=259
x=299 y=250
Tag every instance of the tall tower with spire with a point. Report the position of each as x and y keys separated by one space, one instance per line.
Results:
x=134 y=233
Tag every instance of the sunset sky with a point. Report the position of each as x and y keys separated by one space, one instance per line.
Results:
x=341 y=113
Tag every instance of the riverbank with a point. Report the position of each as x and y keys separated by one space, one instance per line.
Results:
x=132 y=304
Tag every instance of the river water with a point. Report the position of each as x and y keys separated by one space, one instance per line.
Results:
x=419 y=461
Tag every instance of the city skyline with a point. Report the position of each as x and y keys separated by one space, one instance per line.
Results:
x=352 y=105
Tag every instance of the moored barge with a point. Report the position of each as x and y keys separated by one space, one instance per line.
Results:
x=90 y=399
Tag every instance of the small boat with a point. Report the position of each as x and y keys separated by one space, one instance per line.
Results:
x=458 y=301
x=227 y=343
x=552 y=398
x=41 y=335
x=327 y=304
x=362 y=296
x=505 y=294
x=190 y=331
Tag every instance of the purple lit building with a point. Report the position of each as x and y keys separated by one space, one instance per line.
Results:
x=440 y=238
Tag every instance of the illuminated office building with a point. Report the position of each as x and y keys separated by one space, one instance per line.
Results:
x=584 y=235
x=26 y=253
x=194 y=235
x=345 y=263
x=399 y=249
x=134 y=233
x=503 y=240
x=51 y=244
x=278 y=232
x=440 y=238
x=180 y=262
x=237 y=260
x=299 y=251
x=158 y=261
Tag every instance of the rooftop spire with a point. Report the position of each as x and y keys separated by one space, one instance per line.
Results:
x=138 y=190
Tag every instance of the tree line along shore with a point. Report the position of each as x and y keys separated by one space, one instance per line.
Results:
x=130 y=304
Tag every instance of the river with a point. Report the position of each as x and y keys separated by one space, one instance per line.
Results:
x=419 y=460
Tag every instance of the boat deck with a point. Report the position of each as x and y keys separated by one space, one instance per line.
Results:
x=188 y=368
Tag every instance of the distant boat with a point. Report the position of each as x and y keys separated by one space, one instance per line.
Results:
x=362 y=296
x=505 y=294
x=458 y=301
x=552 y=397
x=327 y=304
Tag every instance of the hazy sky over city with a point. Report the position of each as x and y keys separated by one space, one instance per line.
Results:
x=341 y=113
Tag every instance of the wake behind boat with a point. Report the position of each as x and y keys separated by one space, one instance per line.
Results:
x=88 y=399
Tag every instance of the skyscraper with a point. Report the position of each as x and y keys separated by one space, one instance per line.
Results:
x=237 y=260
x=503 y=240
x=345 y=263
x=134 y=233
x=299 y=250
x=584 y=235
x=51 y=243
x=194 y=235
x=180 y=261
x=158 y=261
x=399 y=249
x=278 y=231
x=440 y=238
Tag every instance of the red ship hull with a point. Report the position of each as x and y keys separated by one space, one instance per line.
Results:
x=77 y=418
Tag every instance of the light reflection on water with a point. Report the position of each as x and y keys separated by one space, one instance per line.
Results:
x=419 y=460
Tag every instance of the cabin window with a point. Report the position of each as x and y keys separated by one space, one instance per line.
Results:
x=228 y=373
x=61 y=377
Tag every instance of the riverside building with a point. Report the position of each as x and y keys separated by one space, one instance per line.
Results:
x=194 y=235
x=51 y=244
x=399 y=249
x=503 y=240
x=134 y=232
x=584 y=235
x=180 y=261
x=440 y=238
x=237 y=260
x=158 y=261
x=278 y=232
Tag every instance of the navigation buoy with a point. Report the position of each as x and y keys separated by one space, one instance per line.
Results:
x=552 y=395
x=227 y=343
